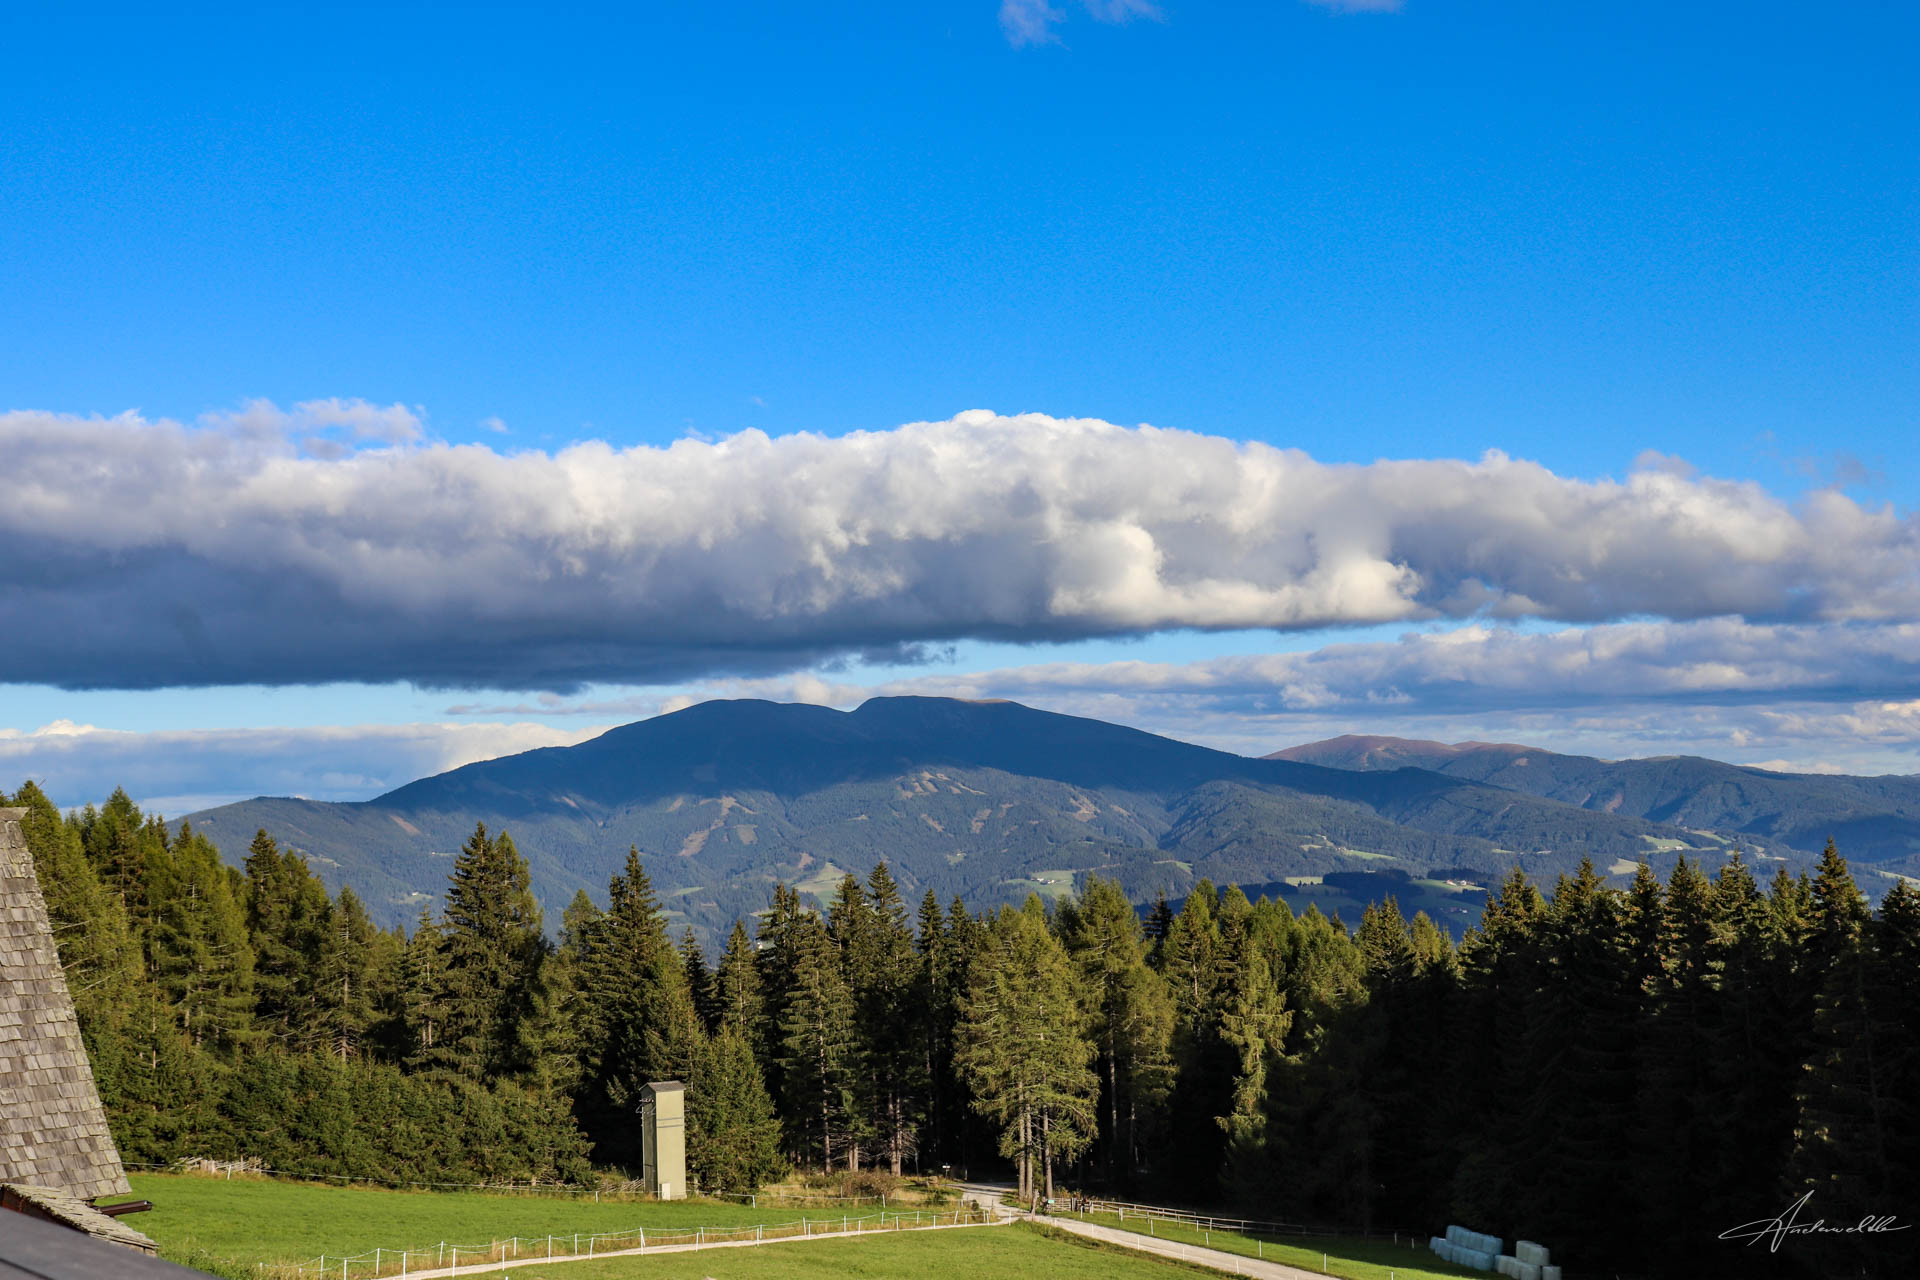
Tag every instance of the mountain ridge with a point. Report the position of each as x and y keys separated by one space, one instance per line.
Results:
x=1874 y=819
x=985 y=800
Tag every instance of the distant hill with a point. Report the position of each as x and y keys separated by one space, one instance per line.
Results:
x=989 y=801
x=1874 y=820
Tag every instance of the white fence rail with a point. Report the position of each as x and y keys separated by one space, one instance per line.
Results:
x=444 y=1256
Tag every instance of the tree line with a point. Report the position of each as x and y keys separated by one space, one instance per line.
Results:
x=1623 y=1074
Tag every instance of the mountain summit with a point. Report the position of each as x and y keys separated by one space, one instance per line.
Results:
x=986 y=800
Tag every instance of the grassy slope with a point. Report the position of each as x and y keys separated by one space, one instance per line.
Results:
x=933 y=1255
x=1354 y=1259
x=257 y=1220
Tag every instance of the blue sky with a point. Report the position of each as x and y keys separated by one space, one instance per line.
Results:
x=1573 y=234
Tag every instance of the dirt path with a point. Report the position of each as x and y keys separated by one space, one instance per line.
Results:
x=987 y=1195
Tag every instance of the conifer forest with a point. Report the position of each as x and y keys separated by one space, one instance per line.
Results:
x=1620 y=1072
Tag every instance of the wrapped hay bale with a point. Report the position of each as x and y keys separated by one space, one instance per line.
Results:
x=1549 y=1273
x=1478 y=1259
x=1504 y=1265
x=1456 y=1234
x=1528 y=1251
x=1526 y=1271
x=1434 y=1243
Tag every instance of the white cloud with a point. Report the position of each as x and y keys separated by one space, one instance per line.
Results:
x=138 y=553
x=180 y=771
x=1031 y=22
x=1360 y=6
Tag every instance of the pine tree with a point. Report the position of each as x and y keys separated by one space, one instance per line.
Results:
x=878 y=949
x=1856 y=1102
x=198 y=949
x=639 y=1009
x=1582 y=1022
x=693 y=961
x=818 y=1056
x=492 y=950
x=1500 y=969
x=776 y=934
x=1103 y=935
x=1254 y=1021
x=343 y=986
x=1022 y=1049
x=737 y=994
x=288 y=925
x=733 y=1136
x=424 y=995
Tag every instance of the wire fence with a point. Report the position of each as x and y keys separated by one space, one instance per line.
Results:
x=1132 y=1215
x=446 y=1256
x=616 y=1191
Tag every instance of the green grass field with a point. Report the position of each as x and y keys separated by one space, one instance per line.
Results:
x=250 y=1220
x=230 y=1226
x=967 y=1254
x=1353 y=1258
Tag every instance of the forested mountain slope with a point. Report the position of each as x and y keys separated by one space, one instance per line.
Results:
x=1876 y=820
x=987 y=800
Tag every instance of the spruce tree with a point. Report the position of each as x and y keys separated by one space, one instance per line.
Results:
x=1022 y=1048
x=1856 y=1099
x=343 y=986
x=733 y=1136
x=693 y=961
x=818 y=1059
x=288 y=924
x=736 y=981
x=639 y=1012
x=198 y=948
x=492 y=950
x=1103 y=935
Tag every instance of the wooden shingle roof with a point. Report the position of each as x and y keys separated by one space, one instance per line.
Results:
x=53 y=1130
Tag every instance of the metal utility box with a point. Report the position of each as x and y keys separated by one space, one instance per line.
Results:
x=663 y=1138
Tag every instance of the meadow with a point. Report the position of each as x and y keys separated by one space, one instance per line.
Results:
x=1349 y=1257
x=1016 y=1250
x=252 y=1220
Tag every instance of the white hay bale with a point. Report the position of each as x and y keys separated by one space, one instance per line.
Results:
x=1549 y=1273
x=1528 y=1251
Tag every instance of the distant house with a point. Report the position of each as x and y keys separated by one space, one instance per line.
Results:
x=56 y=1154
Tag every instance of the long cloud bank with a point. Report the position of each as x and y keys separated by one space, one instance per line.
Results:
x=330 y=543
